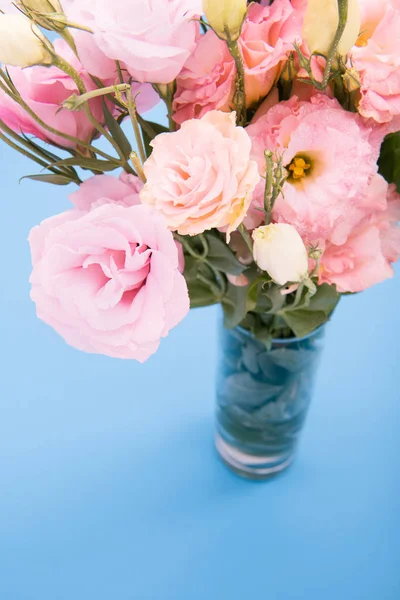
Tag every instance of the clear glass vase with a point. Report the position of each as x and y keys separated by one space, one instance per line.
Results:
x=263 y=398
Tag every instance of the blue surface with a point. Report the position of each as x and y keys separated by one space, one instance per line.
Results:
x=111 y=488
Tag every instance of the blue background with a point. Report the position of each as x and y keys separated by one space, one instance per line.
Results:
x=110 y=487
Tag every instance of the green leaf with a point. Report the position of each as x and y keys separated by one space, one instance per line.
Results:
x=149 y=131
x=325 y=299
x=221 y=256
x=116 y=131
x=234 y=304
x=200 y=295
x=389 y=161
x=304 y=321
x=53 y=178
x=86 y=163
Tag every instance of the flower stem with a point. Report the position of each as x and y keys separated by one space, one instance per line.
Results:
x=239 y=98
x=343 y=6
x=135 y=124
x=246 y=236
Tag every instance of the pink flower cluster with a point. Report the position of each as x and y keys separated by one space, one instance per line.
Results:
x=336 y=199
x=108 y=274
x=207 y=81
x=44 y=89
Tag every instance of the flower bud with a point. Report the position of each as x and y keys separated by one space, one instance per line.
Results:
x=321 y=22
x=42 y=6
x=21 y=42
x=225 y=17
x=351 y=80
x=280 y=251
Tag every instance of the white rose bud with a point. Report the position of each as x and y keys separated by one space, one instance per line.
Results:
x=321 y=22
x=21 y=42
x=42 y=6
x=280 y=251
x=225 y=17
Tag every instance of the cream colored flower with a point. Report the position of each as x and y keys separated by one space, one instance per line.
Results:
x=280 y=251
x=225 y=17
x=21 y=42
x=321 y=22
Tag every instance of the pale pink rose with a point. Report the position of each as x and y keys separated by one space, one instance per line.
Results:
x=152 y=39
x=340 y=154
x=103 y=189
x=44 y=89
x=207 y=81
x=367 y=256
x=267 y=38
x=201 y=176
x=377 y=59
x=108 y=280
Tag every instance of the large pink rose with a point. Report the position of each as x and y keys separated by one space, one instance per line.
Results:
x=366 y=257
x=152 y=39
x=377 y=59
x=207 y=81
x=331 y=157
x=44 y=89
x=108 y=280
x=201 y=176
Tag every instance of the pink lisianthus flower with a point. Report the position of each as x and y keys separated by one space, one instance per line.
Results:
x=44 y=89
x=366 y=257
x=376 y=57
x=331 y=157
x=201 y=176
x=103 y=189
x=151 y=39
x=207 y=81
x=108 y=280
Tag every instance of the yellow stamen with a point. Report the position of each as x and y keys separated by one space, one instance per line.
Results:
x=362 y=41
x=298 y=167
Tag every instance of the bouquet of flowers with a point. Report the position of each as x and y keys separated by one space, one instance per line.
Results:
x=272 y=188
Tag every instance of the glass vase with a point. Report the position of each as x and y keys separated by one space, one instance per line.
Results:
x=263 y=396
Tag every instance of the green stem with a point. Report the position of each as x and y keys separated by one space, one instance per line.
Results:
x=31 y=156
x=135 y=124
x=42 y=156
x=343 y=6
x=59 y=62
x=240 y=89
x=14 y=95
x=246 y=236
x=268 y=185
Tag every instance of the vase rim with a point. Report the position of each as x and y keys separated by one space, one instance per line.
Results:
x=285 y=341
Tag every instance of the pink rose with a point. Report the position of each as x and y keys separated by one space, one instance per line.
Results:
x=331 y=157
x=377 y=59
x=108 y=280
x=103 y=189
x=152 y=39
x=267 y=38
x=207 y=81
x=201 y=176
x=44 y=89
x=366 y=257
